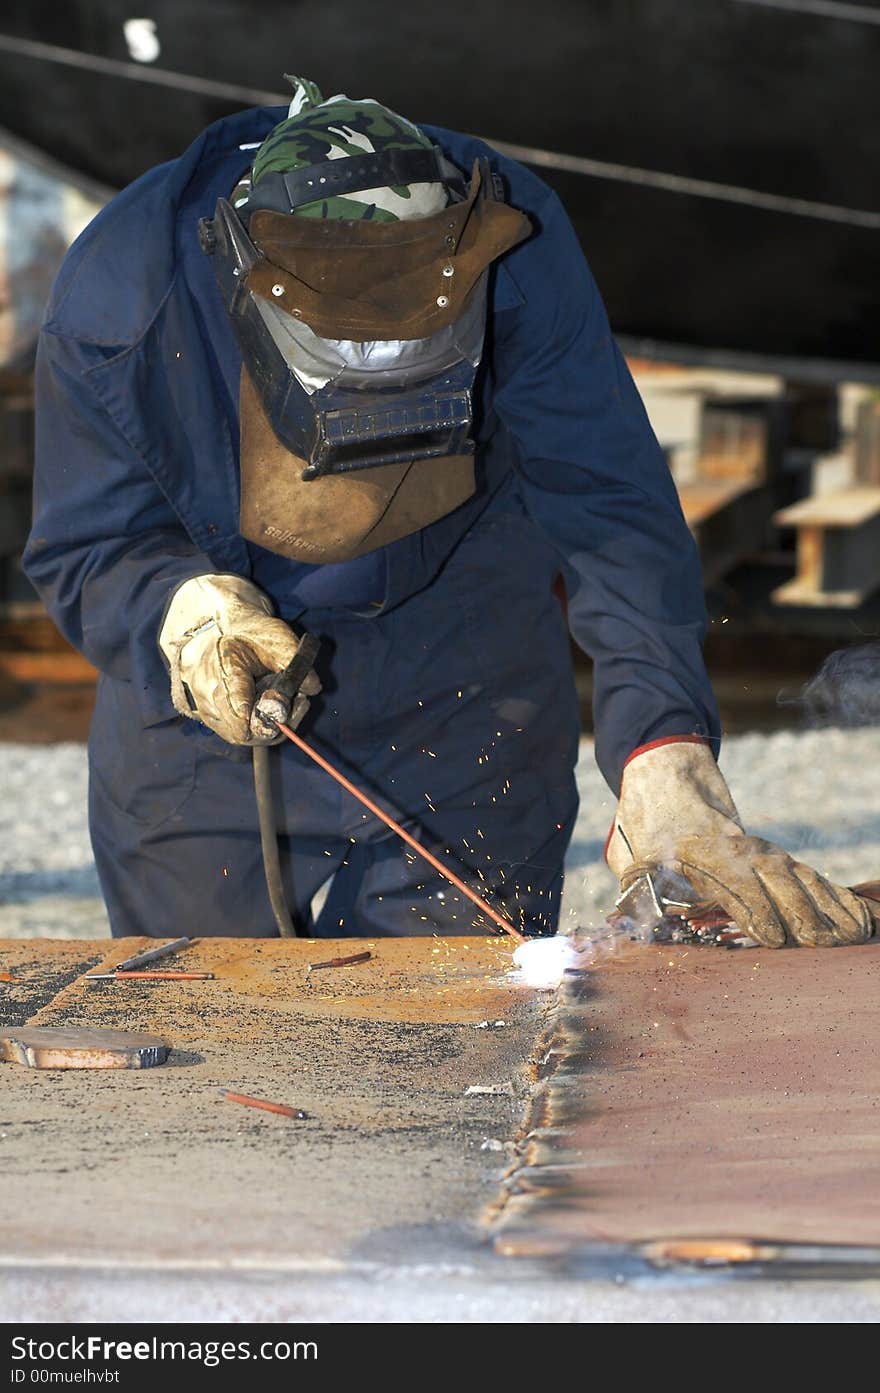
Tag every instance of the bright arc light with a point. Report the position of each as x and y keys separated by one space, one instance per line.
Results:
x=542 y=961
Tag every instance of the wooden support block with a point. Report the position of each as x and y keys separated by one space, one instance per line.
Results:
x=729 y=519
x=845 y=508
x=77 y=1047
x=703 y=500
x=734 y=444
x=838 y=549
x=868 y=442
x=805 y=593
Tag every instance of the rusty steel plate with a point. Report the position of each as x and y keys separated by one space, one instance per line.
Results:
x=76 y=1047
x=694 y=1100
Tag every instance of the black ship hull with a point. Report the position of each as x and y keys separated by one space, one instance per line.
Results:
x=718 y=159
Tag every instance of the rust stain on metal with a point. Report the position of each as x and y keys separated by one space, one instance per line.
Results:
x=264 y=985
x=681 y=1093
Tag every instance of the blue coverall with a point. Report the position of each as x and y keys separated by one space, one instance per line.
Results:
x=448 y=688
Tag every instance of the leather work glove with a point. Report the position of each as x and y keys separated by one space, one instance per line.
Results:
x=675 y=811
x=220 y=637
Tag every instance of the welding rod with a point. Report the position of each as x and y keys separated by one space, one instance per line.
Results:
x=247 y=1101
x=150 y=977
x=142 y=959
x=152 y=955
x=402 y=832
x=341 y=962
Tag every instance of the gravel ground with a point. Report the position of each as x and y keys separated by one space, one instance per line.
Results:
x=808 y=791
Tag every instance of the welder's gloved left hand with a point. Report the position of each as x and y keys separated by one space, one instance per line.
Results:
x=675 y=811
x=220 y=637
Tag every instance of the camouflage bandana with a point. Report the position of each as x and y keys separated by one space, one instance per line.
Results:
x=316 y=130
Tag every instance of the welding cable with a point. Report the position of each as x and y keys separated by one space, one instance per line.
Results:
x=269 y=844
x=278 y=695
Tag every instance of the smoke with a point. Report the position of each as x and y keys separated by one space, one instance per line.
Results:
x=846 y=689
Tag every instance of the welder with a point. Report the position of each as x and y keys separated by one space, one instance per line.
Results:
x=330 y=373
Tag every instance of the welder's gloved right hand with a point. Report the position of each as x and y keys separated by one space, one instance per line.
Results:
x=219 y=637
x=675 y=810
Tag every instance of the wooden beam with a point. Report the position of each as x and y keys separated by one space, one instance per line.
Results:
x=838 y=549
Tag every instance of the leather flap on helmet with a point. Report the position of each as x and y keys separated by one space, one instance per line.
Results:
x=341 y=516
x=356 y=279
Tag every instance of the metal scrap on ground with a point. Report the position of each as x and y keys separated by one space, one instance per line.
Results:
x=79 y=1047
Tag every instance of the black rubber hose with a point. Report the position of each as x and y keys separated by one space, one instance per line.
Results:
x=278 y=691
x=269 y=843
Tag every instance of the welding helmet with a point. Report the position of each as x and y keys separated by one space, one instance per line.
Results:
x=354 y=266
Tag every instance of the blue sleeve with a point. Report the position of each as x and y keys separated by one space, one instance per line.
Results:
x=595 y=480
x=106 y=549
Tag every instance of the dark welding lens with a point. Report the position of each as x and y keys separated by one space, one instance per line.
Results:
x=421 y=444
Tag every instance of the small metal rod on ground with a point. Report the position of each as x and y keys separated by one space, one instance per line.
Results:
x=341 y=962
x=150 y=977
x=402 y=832
x=249 y=1102
x=151 y=955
